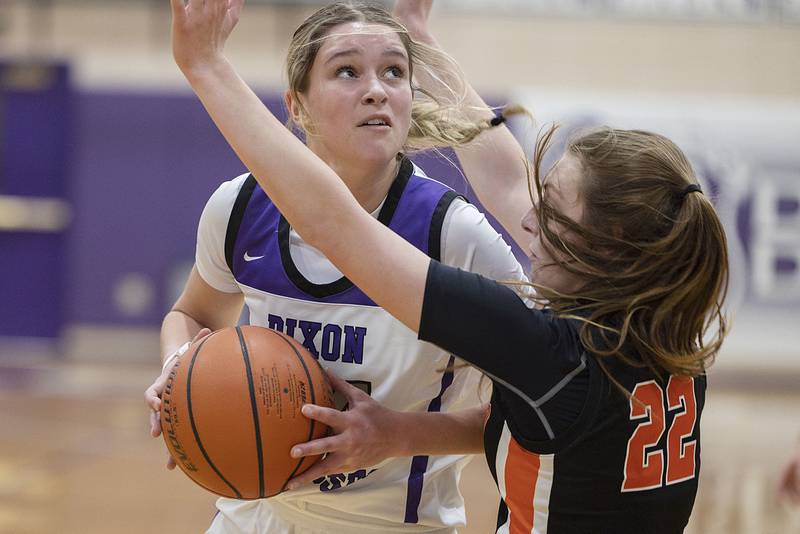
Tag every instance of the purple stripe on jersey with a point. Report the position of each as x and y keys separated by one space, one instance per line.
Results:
x=257 y=258
x=420 y=463
x=258 y=238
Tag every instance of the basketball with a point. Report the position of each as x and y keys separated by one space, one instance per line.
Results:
x=230 y=411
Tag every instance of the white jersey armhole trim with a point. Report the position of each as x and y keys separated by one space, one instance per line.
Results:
x=211 y=232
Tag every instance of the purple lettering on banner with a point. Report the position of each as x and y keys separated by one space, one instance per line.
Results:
x=787 y=206
x=785 y=265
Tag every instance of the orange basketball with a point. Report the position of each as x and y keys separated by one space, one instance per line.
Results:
x=230 y=412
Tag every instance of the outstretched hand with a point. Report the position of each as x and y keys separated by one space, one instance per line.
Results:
x=200 y=29
x=413 y=14
x=363 y=436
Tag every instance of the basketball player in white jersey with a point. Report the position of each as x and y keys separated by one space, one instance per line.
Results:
x=574 y=380
x=350 y=93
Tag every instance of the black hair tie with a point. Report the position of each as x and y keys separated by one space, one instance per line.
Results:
x=691 y=188
x=497 y=120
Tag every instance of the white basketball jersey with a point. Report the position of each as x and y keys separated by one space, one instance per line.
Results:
x=362 y=343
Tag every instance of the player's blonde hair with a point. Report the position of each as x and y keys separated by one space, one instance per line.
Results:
x=435 y=121
x=650 y=253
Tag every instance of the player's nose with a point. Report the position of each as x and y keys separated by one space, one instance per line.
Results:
x=374 y=93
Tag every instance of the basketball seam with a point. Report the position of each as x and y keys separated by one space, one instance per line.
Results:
x=254 y=408
x=313 y=401
x=192 y=422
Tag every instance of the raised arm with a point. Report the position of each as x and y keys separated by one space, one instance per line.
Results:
x=494 y=162
x=307 y=192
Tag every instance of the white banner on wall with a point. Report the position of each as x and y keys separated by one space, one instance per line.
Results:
x=748 y=11
x=747 y=154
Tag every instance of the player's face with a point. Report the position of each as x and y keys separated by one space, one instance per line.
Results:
x=561 y=188
x=359 y=95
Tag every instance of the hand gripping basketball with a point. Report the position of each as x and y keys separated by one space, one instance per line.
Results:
x=362 y=435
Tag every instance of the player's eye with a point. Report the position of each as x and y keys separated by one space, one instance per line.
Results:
x=345 y=71
x=395 y=71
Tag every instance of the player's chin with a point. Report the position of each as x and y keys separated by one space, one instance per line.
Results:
x=375 y=152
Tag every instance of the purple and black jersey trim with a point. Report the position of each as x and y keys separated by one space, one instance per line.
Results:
x=415 y=209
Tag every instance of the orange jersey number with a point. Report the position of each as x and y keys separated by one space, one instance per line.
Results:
x=644 y=460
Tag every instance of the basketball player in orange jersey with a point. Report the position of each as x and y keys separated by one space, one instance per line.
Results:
x=351 y=96
x=598 y=393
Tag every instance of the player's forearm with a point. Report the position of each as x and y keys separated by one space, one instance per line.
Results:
x=176 y=329
x=494 y=166
x=494 y=163
x=440 y=433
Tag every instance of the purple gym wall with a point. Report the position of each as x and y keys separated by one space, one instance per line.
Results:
x=143 y=166
x=35 y=116
x=137 y=169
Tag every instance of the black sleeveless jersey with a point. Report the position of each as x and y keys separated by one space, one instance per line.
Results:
x=570 y=452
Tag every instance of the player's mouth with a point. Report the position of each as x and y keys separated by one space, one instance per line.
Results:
x=376 y=121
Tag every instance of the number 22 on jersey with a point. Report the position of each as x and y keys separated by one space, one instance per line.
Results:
x=644 y=462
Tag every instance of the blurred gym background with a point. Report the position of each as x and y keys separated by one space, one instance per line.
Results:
x=106 y=161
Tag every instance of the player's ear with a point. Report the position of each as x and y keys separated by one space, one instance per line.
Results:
x=288 y=101
x=294 y=107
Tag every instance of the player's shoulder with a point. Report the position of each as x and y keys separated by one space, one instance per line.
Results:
x=225 y=194
x=232 y=186
x=465 y=218
x=220 y=204
x=471 y=242
x=458 y=210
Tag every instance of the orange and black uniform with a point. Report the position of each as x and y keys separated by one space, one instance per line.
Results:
x=569 y=451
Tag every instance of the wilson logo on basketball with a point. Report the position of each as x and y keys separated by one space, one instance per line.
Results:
x=169 y=417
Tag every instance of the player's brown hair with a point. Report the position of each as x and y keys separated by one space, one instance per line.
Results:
x=434 y=122
x=651 y=256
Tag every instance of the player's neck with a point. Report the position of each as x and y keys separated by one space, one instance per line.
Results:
x=369 y=184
